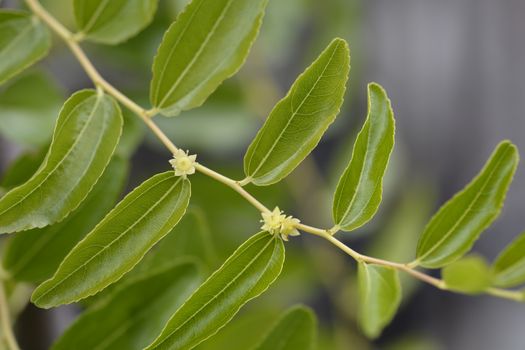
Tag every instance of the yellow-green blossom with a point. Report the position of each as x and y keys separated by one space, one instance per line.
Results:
x=276 y=222
x=289 y=227
x=183 y=163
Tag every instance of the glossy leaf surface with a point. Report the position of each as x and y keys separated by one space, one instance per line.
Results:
x=34 y=255
x=360 y=188
x=457 y=225
x=298 y=121
x=190 y=238
x=207 y=43
x=86 y=135
x=509 y=267
x=118 y=242
x=135 y=313
x=23 y=41
x=246 y=274
x=297 y=329
x=112 y=21
x=379 y=297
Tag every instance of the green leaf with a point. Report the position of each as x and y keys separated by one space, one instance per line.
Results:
x=458 y=224
x=29 y=121
x=509 y=267
x=118 y=242
x=34 y=255
x=135 y=314
x=132 y=135
x=22 y=168
x=111 y=22
x=86 y=134
x=207 y=44
x=397 y=239
x=379 y=297
x=23 y=41
x=297 y=329
x=298 y=121
x=190 y=238
x=253 y=322
x=470 y=275
x=360 y=188
x=245 y=275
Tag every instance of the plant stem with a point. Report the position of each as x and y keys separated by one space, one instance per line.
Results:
x=507 y=294
x=72 y=41
x=5 y=321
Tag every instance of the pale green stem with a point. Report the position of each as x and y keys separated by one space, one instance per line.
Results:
x=146 y=115
x=5 y=321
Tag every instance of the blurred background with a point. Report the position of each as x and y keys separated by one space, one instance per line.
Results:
x=454 y=72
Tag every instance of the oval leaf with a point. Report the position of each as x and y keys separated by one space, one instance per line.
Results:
x=246 y=274
x=111 y=22
x=23 y=41
x=297 y=329
x=190 y=238
x=207 y=44
x=458 y=224
x=509 y=267
x=118 y=242
x=470 y=275
x=360 y=188
x=298 y=121
x=379 y=297
x=34 y=255
x=86 y=135
x=134 y=314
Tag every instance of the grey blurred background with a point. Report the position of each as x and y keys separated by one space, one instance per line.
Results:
x=454 y=70
x=455 y=73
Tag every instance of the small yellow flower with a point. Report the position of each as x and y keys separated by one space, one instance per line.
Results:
x=279 y=224
x=288 y=227
x=272 y=221
x=183 y=163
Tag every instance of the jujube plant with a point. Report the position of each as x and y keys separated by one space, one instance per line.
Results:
x=69 y=237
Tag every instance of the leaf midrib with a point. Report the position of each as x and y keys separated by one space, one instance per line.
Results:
x=19 y=35
x=35 y=249
x=469 y=208
x=130 y=322
x=172 y=50
x=210 y=34
x=221 y=291
x=377 y=184
x=294 y=113
x=113 y=241
x=358 y=182
x=59 y=163
x=96 y=14
x=517 y=265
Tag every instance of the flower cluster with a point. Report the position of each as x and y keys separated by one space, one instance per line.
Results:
x=183 y=163
x=276 y=222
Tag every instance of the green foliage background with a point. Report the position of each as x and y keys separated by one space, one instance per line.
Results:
x=314 y=274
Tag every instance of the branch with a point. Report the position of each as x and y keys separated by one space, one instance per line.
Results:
x=72 y=41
